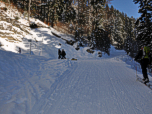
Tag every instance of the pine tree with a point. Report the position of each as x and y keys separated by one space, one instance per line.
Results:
x=112 y=9
x=118 y=29
x=82 y=19
x=97 y=7
x=61 y=10
x=127 y=41
x=144 y=23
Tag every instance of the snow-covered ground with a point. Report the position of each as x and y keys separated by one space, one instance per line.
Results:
x=40 y=83
x=31 y=84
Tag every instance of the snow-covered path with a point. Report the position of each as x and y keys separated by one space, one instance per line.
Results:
x=38 y=85
x=33 y=84
x=96 y=87
x=42 y=84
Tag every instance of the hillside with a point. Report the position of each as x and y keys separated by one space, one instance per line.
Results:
x=37 y=82
x=14 y=28
x=18 y=34
x=31 y=84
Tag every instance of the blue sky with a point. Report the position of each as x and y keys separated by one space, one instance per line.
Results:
x=126 y=6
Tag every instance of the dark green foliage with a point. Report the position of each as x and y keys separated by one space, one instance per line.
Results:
x=144 y=22
x=103 y=24
x=5 y=0
x=141 y=34
x=16 y=18
x=99 y=38
x=64 y=11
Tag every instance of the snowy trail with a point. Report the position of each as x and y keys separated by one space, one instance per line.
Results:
x=42 y=84
x=38 y=85
x=92 y=88
x=26 y=79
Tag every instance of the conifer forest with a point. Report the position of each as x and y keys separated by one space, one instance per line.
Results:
x=94 y=22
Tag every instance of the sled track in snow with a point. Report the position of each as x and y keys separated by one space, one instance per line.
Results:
x=103 y=86
x=91 y=87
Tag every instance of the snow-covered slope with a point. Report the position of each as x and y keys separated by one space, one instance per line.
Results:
x=13 y=32
x=44 y=43
x=42 y=84
x=31 y=84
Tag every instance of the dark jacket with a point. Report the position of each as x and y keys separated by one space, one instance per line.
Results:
x=63 y=53
x=139 y=55
x=59 y=52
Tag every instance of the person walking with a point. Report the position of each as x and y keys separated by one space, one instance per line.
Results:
x=59 y=54
x=19 y=50
x=143 y=56
x=63 y=54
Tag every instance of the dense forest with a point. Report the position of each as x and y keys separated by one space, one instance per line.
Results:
x=95 y=22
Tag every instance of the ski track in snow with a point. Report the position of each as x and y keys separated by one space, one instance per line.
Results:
x=39 y=85
x=28 y=80
x=102 y=86
x=89 y=87
x=31 y=84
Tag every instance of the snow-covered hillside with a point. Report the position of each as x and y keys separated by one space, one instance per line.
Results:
x=40 y=83
x=31 y=84
x=18 y=35
x=15 y=33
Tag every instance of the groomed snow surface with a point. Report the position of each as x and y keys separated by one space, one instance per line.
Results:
x=40 y=83
x=37 y=82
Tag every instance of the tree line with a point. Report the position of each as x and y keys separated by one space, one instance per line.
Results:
x=99 y=24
